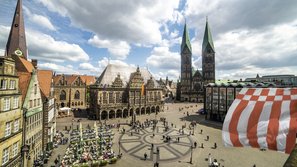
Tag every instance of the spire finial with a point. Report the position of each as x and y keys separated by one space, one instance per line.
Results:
x=17 y=36
x=206 y=18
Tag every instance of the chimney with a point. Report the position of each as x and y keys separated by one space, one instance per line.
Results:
x=34 y=63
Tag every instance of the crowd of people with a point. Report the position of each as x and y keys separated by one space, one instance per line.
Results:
x=90 y=145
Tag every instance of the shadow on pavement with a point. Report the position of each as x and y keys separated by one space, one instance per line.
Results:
x=80 y=113
x=200 y=119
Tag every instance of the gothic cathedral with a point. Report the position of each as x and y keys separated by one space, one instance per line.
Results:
x=191 y=83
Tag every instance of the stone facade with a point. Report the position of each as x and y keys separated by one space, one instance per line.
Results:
x=49 y=109
x=10 y=114
x=122 y=92
x=190 y=87
x=33 y=107
x=69 y=91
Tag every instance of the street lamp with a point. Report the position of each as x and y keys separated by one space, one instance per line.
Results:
x=25 y=148
x=191 y=154
x=119 y=147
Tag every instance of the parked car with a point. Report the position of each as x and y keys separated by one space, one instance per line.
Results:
x=202 y=111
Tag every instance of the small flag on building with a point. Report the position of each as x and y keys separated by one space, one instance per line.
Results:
x=262 y=118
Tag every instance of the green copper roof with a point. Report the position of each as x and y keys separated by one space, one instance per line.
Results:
x=186 y=39
x=207 y=40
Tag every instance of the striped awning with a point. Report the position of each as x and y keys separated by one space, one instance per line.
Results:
x=262 y=118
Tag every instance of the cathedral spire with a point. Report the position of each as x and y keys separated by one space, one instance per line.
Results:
x=207 y=39
x=186 y=39
x=16 y=44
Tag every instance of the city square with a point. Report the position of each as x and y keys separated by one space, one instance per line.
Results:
x=176 y=154
x=148 y=83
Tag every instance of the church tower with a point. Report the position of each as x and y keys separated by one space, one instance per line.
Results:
x=208 y=57
x=186 y=66
x=16 y=44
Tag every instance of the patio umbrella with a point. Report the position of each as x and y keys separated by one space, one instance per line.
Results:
x=80 y=129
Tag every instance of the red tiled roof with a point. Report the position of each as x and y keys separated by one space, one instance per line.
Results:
x=45 y=80
x=57 y=78
x=70 y=79
x=24 y=81
x=27 y=64
x=89 y=80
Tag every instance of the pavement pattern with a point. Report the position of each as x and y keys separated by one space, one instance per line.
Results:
x=174 y=154
x=141 y=142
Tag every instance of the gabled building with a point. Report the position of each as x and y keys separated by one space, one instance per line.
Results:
x=124 y=91
x=33 y=109
x=10 y=114
x=168 y=86
x=45 y=79
x=88 y=80
x=69 y=91
x=16 y=49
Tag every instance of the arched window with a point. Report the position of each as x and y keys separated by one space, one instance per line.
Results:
x=77 y=95
x=63 y=95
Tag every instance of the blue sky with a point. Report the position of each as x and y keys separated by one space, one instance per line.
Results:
x=76 y=36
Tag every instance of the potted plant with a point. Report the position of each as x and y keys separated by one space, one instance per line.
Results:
x=113 y=160
x=103 y=163
x=95 y=164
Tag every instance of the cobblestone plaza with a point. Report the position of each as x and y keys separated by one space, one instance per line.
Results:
x=176 y=154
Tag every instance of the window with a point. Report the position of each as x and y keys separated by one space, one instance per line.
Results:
x=38 y=102
x=15 y=102
x=104 y=98
x=77 y=95
x=6 y=105
x=16 y=125
x=34 y=102
x=7 y=129
x=31 y=104
x=111 y=99
x=63 y=95
x=3 y=84
x=15 y=149
x=12 y=84
x=5 y=156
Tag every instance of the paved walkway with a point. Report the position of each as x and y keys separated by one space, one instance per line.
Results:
x=136 y=144
x=178 y=155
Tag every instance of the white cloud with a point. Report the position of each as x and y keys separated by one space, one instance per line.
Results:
x=162 y=58
x=68 y=69
x=131 y=21
x=271 y=47
x=88 y=68
x=164 y=63
x=45 y=47
x=105 y=61
x=40 y=20
x=119 y=49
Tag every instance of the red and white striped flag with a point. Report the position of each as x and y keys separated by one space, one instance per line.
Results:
x=262 y=118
